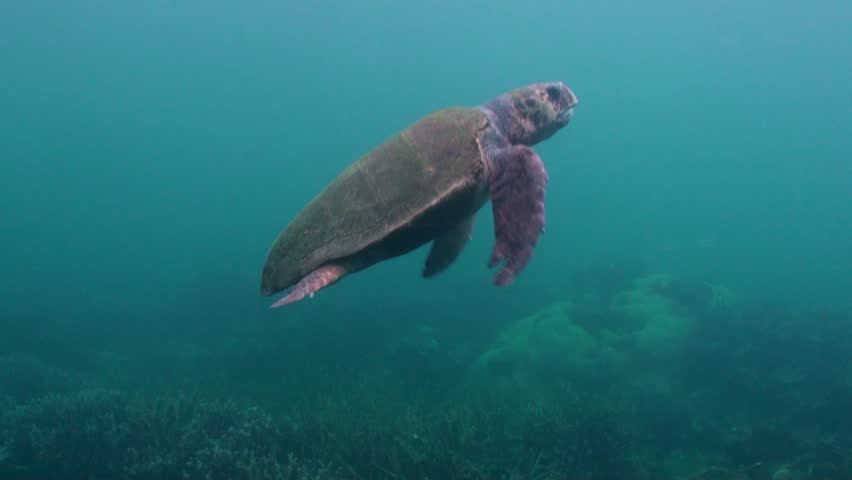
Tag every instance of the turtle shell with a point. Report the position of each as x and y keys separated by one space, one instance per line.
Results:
x=381 y=193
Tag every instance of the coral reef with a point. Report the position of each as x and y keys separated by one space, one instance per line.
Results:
x=629 y=376
x=547 y=342
x=590 y=338
x=730 y=390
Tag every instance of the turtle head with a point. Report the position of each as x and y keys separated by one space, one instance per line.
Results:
x=535 y=112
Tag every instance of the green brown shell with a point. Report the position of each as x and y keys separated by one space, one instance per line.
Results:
x=383 y=191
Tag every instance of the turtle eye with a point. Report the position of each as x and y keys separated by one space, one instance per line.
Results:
x=553 y=93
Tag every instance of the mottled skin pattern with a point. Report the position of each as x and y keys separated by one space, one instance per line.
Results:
x=424 y=185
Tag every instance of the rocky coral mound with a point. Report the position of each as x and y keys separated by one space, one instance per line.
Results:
x=646 y=323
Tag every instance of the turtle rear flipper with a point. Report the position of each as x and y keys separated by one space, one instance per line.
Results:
x=311 y=283
x=446 y=248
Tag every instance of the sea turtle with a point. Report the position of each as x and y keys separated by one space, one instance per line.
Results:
x=425 y=184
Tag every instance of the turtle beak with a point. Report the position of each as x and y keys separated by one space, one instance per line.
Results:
x=570 y=101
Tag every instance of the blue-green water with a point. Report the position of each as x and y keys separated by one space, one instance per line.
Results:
x=151 y=151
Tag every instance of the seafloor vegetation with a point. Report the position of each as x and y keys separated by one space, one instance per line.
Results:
x=629 y=375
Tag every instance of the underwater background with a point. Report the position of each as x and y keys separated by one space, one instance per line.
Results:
x=686 y=315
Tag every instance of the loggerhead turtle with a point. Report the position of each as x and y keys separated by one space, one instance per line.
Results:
x=425 y=184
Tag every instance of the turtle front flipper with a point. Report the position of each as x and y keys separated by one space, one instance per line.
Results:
x=316 y=280
x=447 y=247
x=516 y=185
